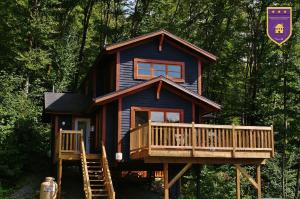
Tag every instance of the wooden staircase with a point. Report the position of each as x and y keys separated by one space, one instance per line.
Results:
x=97 y=183
x=96 y=177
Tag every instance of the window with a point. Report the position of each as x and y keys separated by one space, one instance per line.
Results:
x=141 y=115
x=148 y=68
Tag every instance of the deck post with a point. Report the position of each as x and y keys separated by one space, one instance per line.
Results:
x=166 y=181
x=193 y=138
x=238 y=183
x=258 y=179
x=234 y=140
x=59 y=176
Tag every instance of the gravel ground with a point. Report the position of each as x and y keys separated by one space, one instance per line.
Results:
x=72 y=187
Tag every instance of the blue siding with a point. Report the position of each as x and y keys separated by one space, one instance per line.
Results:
x=111 y=131
x=149 y=50
x=147 y=98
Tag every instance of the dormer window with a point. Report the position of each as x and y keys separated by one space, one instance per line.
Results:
x=149 y=68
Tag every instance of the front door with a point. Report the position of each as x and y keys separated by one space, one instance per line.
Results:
x=84 y=125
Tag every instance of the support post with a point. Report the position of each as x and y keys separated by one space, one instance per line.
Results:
x=258 y=179
x=238 y=183
x=166 y=180
x=234 y=141
x=59 y=176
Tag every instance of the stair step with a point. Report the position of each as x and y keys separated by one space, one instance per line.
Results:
x=97 y=185
x=97 y=180
x=98 y=167
x=95 y=171
x=93 y=161
x=102 y=195
x=98 y=190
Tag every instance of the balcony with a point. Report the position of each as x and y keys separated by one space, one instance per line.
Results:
x=201 y=143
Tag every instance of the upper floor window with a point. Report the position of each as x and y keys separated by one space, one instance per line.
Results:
x=149 y=68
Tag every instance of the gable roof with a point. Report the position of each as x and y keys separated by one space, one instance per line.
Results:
x=66 y=103
x=167 y=34
x=169 y=84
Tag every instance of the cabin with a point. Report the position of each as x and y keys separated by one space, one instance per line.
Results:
x=141 y=108
x=279 y=28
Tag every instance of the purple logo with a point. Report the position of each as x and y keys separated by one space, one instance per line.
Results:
x=279 y=24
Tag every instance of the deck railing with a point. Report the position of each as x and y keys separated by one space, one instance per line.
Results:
x=107 y=177
x=86 y=180
x=67 y=142
x=153 y=135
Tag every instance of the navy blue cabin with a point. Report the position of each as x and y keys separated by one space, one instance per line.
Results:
x=142 y=103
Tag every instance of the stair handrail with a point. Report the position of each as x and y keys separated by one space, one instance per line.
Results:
x=107 y=176
x=86 y=180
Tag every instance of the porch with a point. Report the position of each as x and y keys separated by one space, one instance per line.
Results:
x=97 y=182
x=68 y=146
x=201 y=143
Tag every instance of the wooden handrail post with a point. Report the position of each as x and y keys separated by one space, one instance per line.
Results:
x=193 y=138
x=149 y=137
x=233 y=140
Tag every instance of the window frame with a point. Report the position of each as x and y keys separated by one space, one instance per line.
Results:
x=154 y=109
x=152 y=62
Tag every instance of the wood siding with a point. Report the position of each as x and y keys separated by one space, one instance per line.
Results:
x=147 y=98
x=150 y=50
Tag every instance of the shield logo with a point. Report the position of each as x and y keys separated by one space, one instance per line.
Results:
x=279 y=24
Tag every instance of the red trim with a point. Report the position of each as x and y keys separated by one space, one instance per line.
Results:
x=161 y=41
x=119 y=148
x=104 y=124
x=154 y=61
x=149 y=109
x=171 y=86
x=130 y=42
x=118 y=70
x=199 y=77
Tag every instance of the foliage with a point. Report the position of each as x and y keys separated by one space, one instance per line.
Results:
x=51 y=44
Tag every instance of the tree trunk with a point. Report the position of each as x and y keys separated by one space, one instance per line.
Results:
x=87 y=14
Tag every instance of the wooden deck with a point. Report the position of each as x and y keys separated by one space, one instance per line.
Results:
x=68 y=146
x=201 y=143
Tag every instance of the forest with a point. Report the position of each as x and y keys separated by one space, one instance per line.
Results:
x=50 y=45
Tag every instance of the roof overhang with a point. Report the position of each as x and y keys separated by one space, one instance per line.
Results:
x=167 y=35
x=206 y=104
x=66 y=103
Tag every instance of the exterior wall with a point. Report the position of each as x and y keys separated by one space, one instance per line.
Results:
x=147 y=98
x=68 y=122
x=149 y=50
x=105 y=76
x=111 y=131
